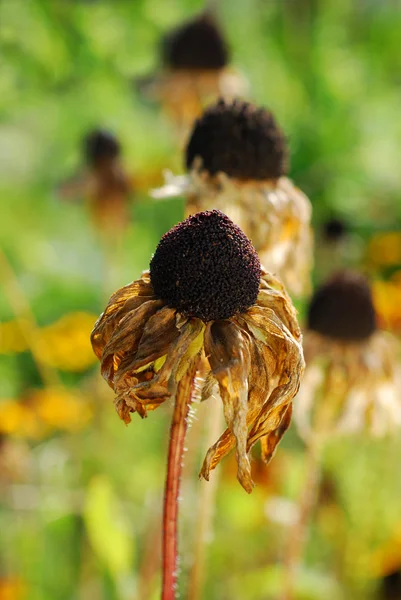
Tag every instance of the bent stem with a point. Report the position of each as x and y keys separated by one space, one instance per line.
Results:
x=178 y=430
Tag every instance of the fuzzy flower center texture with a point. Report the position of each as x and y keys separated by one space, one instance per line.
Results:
x=239 y=139
x=206 y=267
x=343 y=309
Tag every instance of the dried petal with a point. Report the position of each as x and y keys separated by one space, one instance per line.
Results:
x=229 y=360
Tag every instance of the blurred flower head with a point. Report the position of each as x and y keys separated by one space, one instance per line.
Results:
x=195 y=71
x=205 y=295
x=351 y=381
x=62 y=345
x=42 y=411
x=238 y=159
x=100 y=146
x=335 y=229
x=196 y=44
x=104 y=184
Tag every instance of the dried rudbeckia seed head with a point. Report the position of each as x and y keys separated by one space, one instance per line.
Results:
x=239 y=139
x=197 y=44
x=335 y=229
x=100 y=145
x=206 y=267
x=343 y=309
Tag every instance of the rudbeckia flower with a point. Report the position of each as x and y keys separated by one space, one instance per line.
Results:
x=206 y=296
x=237 y=162
x=195 y=70
x=351 y=381
x=104 y=184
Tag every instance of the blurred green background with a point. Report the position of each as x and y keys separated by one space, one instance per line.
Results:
x=80 y=493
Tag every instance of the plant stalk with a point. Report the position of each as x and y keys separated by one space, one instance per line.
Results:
x=178 y=430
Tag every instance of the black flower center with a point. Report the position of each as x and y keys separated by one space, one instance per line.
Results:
x=238 y=139
x=197 y=44
x=343 y=308
x=335 y=229
x=100 y=145
x=206 y=267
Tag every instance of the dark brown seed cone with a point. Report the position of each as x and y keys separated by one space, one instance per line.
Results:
x=343 y=309
x=100 y=145
x=238 y=139
x=197 y=44
x=206 y=267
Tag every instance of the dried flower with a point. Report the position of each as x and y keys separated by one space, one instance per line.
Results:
x=196 y=44
x=104 y=184
x=206 y=295
x=237 y=157
x=195 y=58
x=351 y=381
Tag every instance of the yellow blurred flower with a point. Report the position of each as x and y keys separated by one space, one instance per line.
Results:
x=387 y=557
x=16 y=418
x=387 y=299
x=42 y=411
x=61 y=409
x=385 y=249
x=12 y=338
x=64 y=345
x=11 y=588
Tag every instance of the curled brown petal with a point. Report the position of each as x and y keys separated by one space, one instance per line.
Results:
x=126 y=337
x=160 y=331
x=271 y=413
x=150 y=389
x=270 y=441
x=121 y=302
x=219 y=450
x=229 y=359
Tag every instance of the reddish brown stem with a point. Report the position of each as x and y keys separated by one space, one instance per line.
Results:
x=178 y=430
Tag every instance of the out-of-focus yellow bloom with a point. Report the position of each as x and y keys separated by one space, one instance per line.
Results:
x=387 y=558
x=60 y=409
x=385 y=249
x=42 y=411
x=18 y=419
x=12 y=337
x=387 y=299
x=11 y=588
x=64 y=344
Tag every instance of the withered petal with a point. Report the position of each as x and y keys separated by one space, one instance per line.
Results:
x=126 y=337
x=160 y=331
x=270 y=441
x=121 y=302
x=227 y=351
x=150 y=389
x=219 y=450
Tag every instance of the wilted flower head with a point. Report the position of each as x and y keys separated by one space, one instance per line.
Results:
x=100 y=146
x=196 y=44
x=195 y=57
x=104 y=184
x=351 y=381
x=238 y=159
x=335 y=229
x=206 y=295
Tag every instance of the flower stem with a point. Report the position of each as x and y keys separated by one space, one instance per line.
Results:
x=178 y=430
